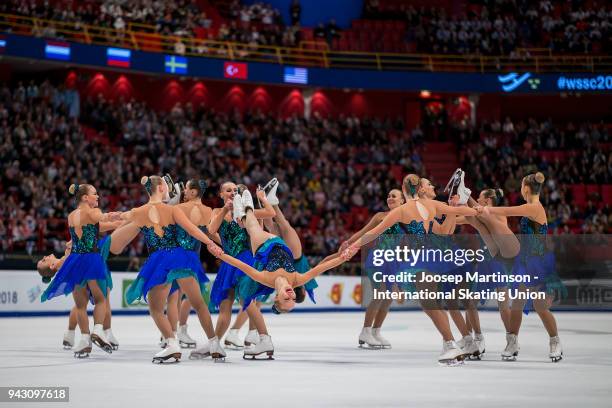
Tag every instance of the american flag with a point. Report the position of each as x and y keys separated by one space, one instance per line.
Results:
x=296 y=75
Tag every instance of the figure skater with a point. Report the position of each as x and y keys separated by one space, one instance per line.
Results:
x=168 y=266
x=533 y=262
x=84 y=272
x=413 y=216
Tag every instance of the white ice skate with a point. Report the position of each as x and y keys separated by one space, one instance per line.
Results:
x=264 y=346
x=200 y=353
x=451 y=354
x=556 y=351
x=383 y=342
x=111 y=339
x=512 y=348
x=68 y=341
x=456 y=185
x=367 y=339
x=239 y=213
x=247 y=201
x=270 y=190
x=480 y=342
x=99 y=339
x=252 y=338
x=83 y=349
x=185 y=340
x=232 y=340
x=216 y=351
x=469 y=347
x=172 y=351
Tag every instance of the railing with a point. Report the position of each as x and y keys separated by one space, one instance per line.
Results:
x=143 y=37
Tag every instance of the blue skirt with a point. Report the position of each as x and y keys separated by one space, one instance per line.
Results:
x=248 y=289
x=542 y=273
x=75 y=272
x=227 y=278
x=164 y=267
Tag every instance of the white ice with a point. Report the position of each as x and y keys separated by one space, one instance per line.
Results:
x=318 y=364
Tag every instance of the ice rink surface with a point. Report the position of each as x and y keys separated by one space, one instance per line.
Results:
x=318 y=364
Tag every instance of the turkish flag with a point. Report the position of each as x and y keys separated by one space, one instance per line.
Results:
x=235 y=70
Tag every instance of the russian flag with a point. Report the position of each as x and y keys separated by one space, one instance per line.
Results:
x=118 y=57
x=2 y=43
x=57 y=50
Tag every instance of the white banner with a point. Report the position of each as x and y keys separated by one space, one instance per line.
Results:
x=20 y=292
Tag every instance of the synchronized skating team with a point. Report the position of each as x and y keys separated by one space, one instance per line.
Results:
x=261 y=256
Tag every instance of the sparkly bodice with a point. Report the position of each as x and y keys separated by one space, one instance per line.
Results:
x=88 y=241
x=390 y=237
x=186 y=241
x=533 y=237
x=155 y=242
x=417 y=231
x=233 y=238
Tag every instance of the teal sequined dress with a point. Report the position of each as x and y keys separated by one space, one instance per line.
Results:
x=166 y=263
x=535 y=261
x=235 y=242
x=85 y=263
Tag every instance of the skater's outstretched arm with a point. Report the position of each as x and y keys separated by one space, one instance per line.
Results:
x=106 y=226
x=442 y=208
x=218 y=216
x=374 y=221
x=525 y=210
x=391 y=218
x=182 y=220
x=247 y=269
x=324 y=266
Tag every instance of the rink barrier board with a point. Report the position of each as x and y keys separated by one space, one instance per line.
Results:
x=20 y=293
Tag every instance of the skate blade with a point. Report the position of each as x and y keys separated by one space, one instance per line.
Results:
x=509 y=358
x=218 y=359
x=556 y=359
x=450 y=363
x=366 y=346
x=186 y=345
x=104 y=346
x=67 y=345
x=232 y=346
x=164 y=360
x=115 y=347
x=198 y=356
x=83 y=353
x=269 y=355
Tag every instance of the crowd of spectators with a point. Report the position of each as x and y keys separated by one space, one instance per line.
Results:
x=328 y=167
x=499 y=154
x=504 y=27
x=486 y=27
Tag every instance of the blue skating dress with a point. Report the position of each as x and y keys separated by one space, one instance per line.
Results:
x=166 y=263
x=235 y=242
x=84 y=263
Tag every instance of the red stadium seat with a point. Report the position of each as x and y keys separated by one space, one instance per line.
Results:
x=579 y=195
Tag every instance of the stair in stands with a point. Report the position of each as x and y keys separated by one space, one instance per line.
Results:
x=440 y=160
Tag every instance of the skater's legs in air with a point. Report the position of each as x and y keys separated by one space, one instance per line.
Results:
x=288 y=233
